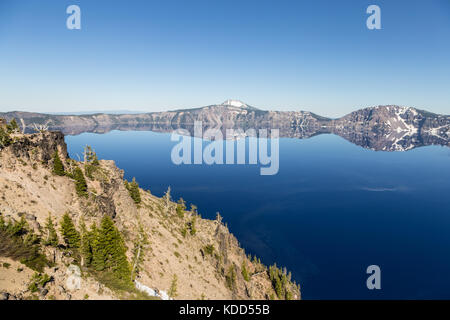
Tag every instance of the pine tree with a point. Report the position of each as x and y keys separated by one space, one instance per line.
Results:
x=85 y=246
x=52 y=236
x=5 y=139
x=173 y=287
x=192 y=228
x=91 y=162
x=69 y=232
x=139 y=251
x=95 y=253
x=12 y=126
x=90 y=156
x=58 y=167
x=181 y=207
x=133 y=189
x=245 y=274
x=80 y=182
x=111 y=250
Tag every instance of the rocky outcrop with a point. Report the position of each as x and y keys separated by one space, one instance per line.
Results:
x=206 y=261
x=38 y=146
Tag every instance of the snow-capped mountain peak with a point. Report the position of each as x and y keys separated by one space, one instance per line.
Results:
x=235 y=103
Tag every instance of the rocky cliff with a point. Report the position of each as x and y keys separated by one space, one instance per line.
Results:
x=168 y=245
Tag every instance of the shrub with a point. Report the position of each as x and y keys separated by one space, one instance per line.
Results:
x=209 y=249
x=38 y=281
x=19 y=243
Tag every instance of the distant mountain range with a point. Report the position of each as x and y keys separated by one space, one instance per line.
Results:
x=386 y=128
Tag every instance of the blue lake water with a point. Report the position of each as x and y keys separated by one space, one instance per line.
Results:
x=333 y=209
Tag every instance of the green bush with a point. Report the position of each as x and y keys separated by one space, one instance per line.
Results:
x=19 y=243
x=38 y=281
x=209 y=249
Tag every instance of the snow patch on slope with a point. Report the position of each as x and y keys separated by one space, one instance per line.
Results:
x=234 y=103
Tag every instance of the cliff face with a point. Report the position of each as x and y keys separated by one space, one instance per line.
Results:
x=202 y=255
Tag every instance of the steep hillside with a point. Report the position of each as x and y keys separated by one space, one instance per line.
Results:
x=169 y=248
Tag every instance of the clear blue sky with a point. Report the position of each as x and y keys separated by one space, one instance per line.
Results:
x=287 y=55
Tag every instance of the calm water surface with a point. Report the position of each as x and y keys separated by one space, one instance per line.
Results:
x=333 y=209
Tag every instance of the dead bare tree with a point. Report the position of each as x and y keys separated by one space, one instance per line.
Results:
x=24 y=126
x=42 y=127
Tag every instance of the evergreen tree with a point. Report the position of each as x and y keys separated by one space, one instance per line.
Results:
x=133 y=189
x=90 y=156
x=245 y=272
x=91 y=162
x=5 y=139
x=173 y=287
x=69 y=232
x=93 y=252
x=181 y=207
x=52 y=236
x=85 y=246
x=12 y=126
x=192 y=228
x=80 y=182
x=58 y=167
x=230 y=278
x=110 y=251
x=139 y=251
